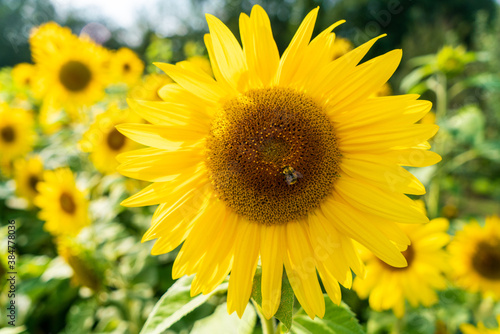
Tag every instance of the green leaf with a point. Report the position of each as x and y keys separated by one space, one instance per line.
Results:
x=285 y=310
x=222 y=322
x=174 y=305
x=337 y=320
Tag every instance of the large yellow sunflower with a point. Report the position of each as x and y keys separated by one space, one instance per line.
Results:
x=126 y=66
x=27 y=174
x=17 y=133
x=63 y=206
x=389 y=287
x=71 y=70
x=287 y=159
x=475 y=257
x=104 y=142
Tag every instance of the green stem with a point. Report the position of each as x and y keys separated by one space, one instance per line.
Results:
x=267 y=324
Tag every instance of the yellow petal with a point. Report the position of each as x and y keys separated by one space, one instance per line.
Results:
x=293 y=55
x=246 y=254
x=161 y=136
x=367 y=198
x=198 y=83
x=384 y=175
x=227 y=52
x=301 y=270
x=261 y=52
x=161 y=167
x=272 y=247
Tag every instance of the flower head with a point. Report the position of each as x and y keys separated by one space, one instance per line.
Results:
x=475 y=258
x=27 y=174
x=287 y=159
x=389 y=287
x=63 y=206
x=104 y=142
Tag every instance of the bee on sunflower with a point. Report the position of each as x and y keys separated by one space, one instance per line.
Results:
x=218 y=147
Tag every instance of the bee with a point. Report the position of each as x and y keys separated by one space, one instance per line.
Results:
x=291 y=175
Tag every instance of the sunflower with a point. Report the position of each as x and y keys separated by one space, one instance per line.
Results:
x=17 y=133
x=480 y=329
x=71 y=70
x=475 y=257
x=63 y=206
x=284 y=159
x=126 y=66
x=389 y=287
x=27 y=174
x=73 y=254
x=24 y=75
x=149 y=87
x=341 y=46
x=104 y=142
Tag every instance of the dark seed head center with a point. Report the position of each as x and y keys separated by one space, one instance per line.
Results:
x=75 y=76
x=486 y=260
x=257 y=135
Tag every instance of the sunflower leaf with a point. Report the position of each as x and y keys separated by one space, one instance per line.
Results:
x=338 y=319
x=175 y=304
x=285 y=309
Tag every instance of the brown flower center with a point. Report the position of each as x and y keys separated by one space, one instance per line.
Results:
x=486 y=260
x=409 y=255
x=272 y=155
x=126 y=67
x=67 y=203
x=32 y=182
x=115 y=140
x=8 y=134
x=75 y=76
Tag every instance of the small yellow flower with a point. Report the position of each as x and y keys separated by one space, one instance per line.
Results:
x=126 y=66
x=72 y=253
x=24 y=75
x=475 y=252
x=341 y=46
x=104 y=142
x=149 y=88
x=63 y=206
x=389 y=287
x=27 y=174
x=17 y=134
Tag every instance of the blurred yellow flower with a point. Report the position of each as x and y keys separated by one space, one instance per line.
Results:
x=27 y=174
x=149 y=87
x=282 y=158
x=201 y=62
x=388 y=287
x=475 y=253
x=17 y=133
x=126 y=66
x=71 y=70
x=24 y=75
x=480 y=329
x=452 y=60
x=63 y=206
x=72 y=253
x=104 y=142
x=341 y=46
